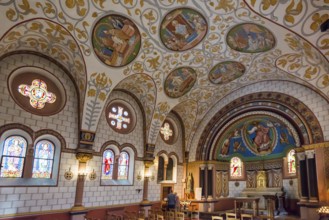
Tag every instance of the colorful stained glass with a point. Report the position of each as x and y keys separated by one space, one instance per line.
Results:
x=166 y=131
x=119 y=117
x=38 y=94
x=292 y=162
x=123 y=166
x=13 y=156
x=236 y=167
x=43 y=159
x=107 y=166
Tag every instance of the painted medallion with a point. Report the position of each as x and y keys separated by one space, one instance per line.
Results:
x=179 y=82
x=257 y=135
x=116 y=40
x=183 y=29
x=226 y=72
x=250 y=38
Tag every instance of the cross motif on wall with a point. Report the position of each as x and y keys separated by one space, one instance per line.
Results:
x=38 y=93
x=166 y=131
x=119 y=118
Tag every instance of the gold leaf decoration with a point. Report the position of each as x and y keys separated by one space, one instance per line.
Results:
x=70 y=3
x=154 y=63
x=325 y=81
x=310 y=71
x=226 y=5
x=289 y=19
x=10 y=14
x=91 y=92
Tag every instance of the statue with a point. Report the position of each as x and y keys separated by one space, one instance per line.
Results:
x=190 y=187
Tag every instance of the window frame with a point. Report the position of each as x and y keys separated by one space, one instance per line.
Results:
x=242 y=177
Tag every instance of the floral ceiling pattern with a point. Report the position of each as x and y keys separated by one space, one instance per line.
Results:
x=63 y=31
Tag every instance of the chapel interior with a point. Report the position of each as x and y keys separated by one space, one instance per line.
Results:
x=108 y=105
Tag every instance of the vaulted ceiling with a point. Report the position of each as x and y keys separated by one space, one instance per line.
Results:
x=259 y=40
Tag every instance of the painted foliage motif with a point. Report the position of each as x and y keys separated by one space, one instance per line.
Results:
x=43 y=159
x=256 y=135
x=107 y=167
x=13 y=157
x=226 y=72
x=116 y=40
x=250 y=38
x=183 y=29
x=180 y=81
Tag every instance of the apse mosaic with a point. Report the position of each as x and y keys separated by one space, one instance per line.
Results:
x=43 y=159
x=38 y=93
x=226 y=72
x=250 y=38
x=116 y=40
x=183 y=29
x=13 y=157
x=107 y=167
x=180 y=81
x=256 y=135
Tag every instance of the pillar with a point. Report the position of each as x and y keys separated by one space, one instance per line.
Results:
x=202 y=183
x=210 y=182
x=145 y=201
x=303 y=178
x=312 y=178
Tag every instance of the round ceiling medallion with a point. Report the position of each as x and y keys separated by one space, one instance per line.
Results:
x=120 y=116
x=116 y=40
x=180 y=81
x=168 y=131
x=36 y=91
x=226 y=72
x=250 y=38
x=183 y=29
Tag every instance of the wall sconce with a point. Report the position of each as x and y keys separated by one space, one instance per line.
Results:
x=92 y=175
x=139 y=190
x=68 y=175
x=139 y=176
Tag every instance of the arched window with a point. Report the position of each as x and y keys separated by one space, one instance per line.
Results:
x=108 y=162
x=117 y=166
x=123 y=166
x=170 y=168
x=235 y=167
x=160 y=168
x=43 y=159
x=291 y=159
x=13 y=157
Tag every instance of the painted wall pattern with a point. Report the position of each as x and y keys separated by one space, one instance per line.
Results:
x=157 y=61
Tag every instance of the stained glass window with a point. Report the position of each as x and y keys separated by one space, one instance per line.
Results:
x=43 y=159
x=123 y=166
x=13 y=157
x=291 y=162
x=107 y=166
x=236 y=167
x=38 y=93
x=120 y=117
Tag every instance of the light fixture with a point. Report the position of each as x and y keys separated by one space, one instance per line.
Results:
x=68 y=175
x=92 y=175
x=139 y=176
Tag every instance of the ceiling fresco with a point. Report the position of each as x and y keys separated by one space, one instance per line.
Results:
x=137 y=45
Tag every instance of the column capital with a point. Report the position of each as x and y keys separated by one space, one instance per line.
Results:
x=202 y=166
x=83 y=157
x=309 y=154
x=210 y=166
x=301 y=156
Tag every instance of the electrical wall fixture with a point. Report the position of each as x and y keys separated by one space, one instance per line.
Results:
x=139 y=176
x=68 y=175
x=92 y=175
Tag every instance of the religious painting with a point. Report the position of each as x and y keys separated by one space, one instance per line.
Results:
x=180 y=81
x=226 y=72
x=182 y=29
x=291 y=159
x=235 y=167
x=107 y=165
x=250 y=38
x=120 y=116
x=256 y=135
x=43 y=159
x=13 y=157
x=116 y=40
x=123 y=166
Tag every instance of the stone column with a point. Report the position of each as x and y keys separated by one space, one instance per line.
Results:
x=210 y=182
x=202 y=183
x=145 y=201
x=82 y=158
x=312 y=178
x=303 y=178
x=165 y=165
x=29 y=158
